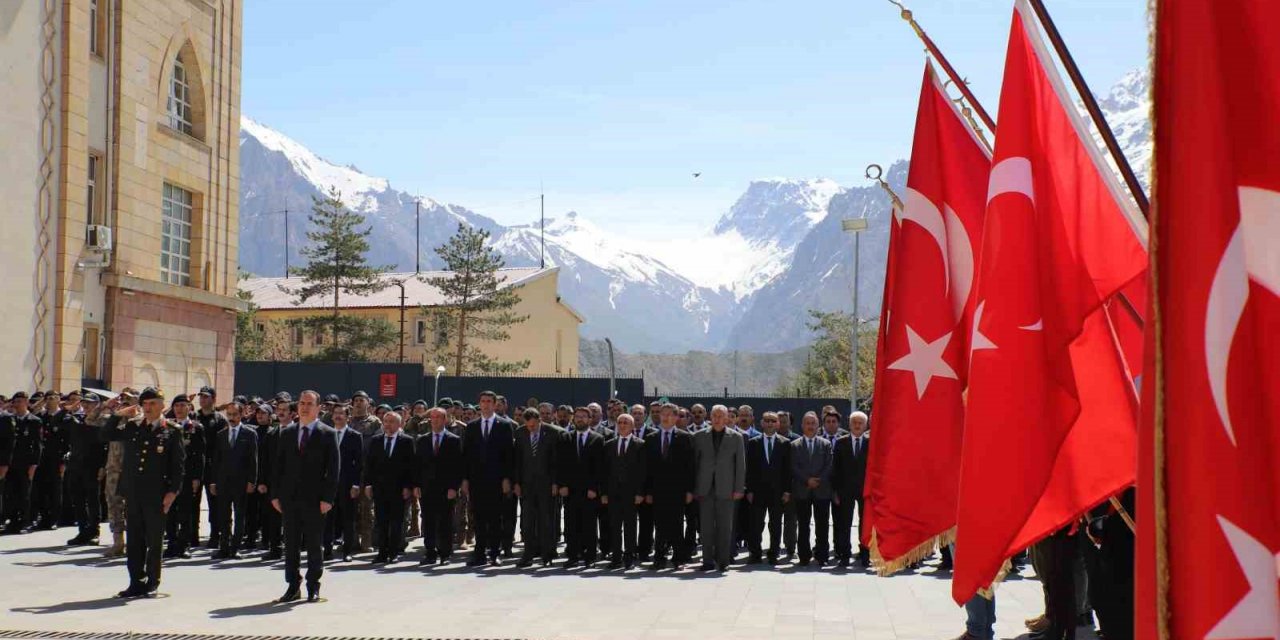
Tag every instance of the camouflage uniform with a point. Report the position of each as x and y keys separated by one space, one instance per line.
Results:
x=415 y=427
x=463 y=519
x=111 y=479
x=368 y=427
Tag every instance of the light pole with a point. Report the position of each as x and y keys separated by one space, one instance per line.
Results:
x=400 y=283
x=435 y=394
x=612 y=392
x=854 y=226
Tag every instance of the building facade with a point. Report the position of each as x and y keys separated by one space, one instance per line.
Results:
x=121 y=160
x=548 y=338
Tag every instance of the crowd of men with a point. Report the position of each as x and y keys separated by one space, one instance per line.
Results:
x=340 y=477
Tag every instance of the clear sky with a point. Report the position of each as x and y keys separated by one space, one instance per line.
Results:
x=613 y=105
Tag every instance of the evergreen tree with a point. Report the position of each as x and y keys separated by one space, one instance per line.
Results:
x=263 y=341
x=827 y=372
x=336 y=264
x=477 y=308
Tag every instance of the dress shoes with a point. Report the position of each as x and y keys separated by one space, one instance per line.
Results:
x=313 y=593
x=524 y=563
x=476 y=560
x=707 y=566
x=614 y=565
x=135 y=590
x=291 y=594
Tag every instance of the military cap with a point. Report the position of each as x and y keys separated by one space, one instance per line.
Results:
x=90 y=396
x=420 y=403
x=39 y=395
x=207 y=391
x=241 y=399
x=181 y=397
x=332 y=397
x=19 y=395
x=446 y=401
x=150 y=393
x=265 y=408
x=360 y=394
x=284 y=395
x=384 y=406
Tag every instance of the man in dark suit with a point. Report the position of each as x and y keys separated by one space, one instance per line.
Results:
x=848 y=476
x=488 y=448
x=622 y=489
x=439 y=475
x=537 y=447
x=183 y=527
x=388 y=481
x=235 y=476
x=811 y=489
x=768 y=486
x=580 y=488
x=644 y=511
x=342 y=518
x=670 y=486
x=789 y=507
x=303 y=490
x=211 y=422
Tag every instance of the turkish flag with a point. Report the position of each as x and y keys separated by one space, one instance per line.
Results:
x=1209 y=480
x=912 y=477
x=1051 y=421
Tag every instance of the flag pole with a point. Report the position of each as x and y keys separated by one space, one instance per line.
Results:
x=1091 y=105
x=878 y=177
x=946 y=65
x=967 y=113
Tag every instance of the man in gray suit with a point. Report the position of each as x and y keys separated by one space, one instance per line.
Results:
x=811 y=489
x=721 y=461
x=537 y=446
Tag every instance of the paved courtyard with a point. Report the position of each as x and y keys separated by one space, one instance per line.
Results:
x=49 y=587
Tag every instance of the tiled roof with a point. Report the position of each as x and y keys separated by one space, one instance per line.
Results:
x=274 y=293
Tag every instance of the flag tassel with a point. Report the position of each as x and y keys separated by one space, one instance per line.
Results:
x=921 y=552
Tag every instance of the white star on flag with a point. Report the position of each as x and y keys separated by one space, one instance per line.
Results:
x=979 y=341
x=924 y=360
x=1256 y=614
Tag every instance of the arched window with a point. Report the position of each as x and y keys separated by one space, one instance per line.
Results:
x=184 y=106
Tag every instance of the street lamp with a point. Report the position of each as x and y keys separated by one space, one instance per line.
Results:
x=612 y=391
x=435 y=395
x=854 y=226
x=400 y=283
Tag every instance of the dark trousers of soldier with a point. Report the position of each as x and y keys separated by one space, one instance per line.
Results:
x=144 y=535
x=622 y=528
x=486 y=506
x=17 y=500
x=437 y=522
x=252 y=518
x=67 y=516
x=388 y=523
x=3 y=483
x=83 y=485
x=580 y=526
x=48 y=495
x=215 y=527
x=1110 y=569
x=509 y=520
x=229 y=507
x=813 y=525
x=303 y=524
x=668 y=525
x=1057 y=555
x=692 y=525
x=537 y=528
x=341 y=521
x=763 y=507
x=271 y=525
x=184 y=519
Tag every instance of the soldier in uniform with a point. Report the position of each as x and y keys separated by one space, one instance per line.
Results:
x=111 y=472
x=6 y=448
x=211 y=422
x=154 y=468
x=368 y=425
x=47 y=485
x=184 y=519
x=27 y=446
x=84 y=465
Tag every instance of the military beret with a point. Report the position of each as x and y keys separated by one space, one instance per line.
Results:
x=332 y=397
x=360 y=394
x=384 y=406
x=207 y=391
x=181 y=397
x=150 y=393
x=19 y=395
x=446 y=401
x=420 y=403
x=284 y=395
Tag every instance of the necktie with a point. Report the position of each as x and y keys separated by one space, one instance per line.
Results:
x=582 y=440
x=533 y=442
x=232 y=435
x=388 y=443
x=622 y=448
x=666 y=442
x=810 y=446
x=857 y=446
x=436 y=447
x=768 y=449
x=302 y=442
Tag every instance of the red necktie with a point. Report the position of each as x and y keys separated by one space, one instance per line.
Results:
x=302 y=443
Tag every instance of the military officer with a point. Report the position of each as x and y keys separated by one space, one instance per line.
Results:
x=184 y=522
x=28 y=444
x=153 y=475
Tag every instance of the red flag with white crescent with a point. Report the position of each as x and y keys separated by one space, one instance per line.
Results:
x=1051 y=421
x=1210 y=456
x=918 y=420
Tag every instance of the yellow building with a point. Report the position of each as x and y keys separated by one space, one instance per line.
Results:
x=548 y=339
x=119 y=123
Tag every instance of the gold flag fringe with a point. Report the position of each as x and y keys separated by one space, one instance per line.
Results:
x=886 y=567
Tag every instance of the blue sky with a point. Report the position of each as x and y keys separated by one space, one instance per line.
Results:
x=613 y=105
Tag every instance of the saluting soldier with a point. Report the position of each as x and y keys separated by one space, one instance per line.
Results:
x=27 y=446
x=153 y=475
x=111 y=472
x=83 y=466
x=183 y=526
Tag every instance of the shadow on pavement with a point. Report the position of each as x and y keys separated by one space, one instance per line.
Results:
x=259 y=609
x=81 y=605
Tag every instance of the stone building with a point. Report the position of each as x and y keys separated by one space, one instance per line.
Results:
x=119 y=122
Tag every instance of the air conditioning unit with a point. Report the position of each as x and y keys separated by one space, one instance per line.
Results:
x=98 y=237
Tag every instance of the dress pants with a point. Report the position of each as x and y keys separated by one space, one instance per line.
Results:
x=303 y=525
x=48 y=491
x=271 y=533
x=692 y=525
x=388 y=522
x=716 y=516
x=18 y=501
x=341 y=520
x=622 y=528
x=580 y=526
x=602 y=531
x=83 y=484
x=644 y=530
x=509 y=520
x=763 y=506
x=789 y=526
x=668 y=524
x=813 y=526
x=144 y=537
x=486 y=505
x=437 y=522
x=842 y=522
x=537 y=514
x=1056 y=558
x=215 y=527
x=252 y=517
x=229 y=514
x=184 y=518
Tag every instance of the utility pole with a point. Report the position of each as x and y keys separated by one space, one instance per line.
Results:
x=612 y=372
x=400 y=283
x=417 y=237
x=854 y=226
x=542 y=228
x=286 y=238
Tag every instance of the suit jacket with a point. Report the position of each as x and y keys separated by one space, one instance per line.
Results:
x=350 y=460
x=153 y=459
x=389 y=475
x=849 y=471
x=770 y=478
x=537 y=471
x=488 y=461
x=437 y=472
x=234 y=467
x=673 y=474
x=623 y=476
x=309 y=475
x=805 y=465
x=210 y=424
x=579 y=469
x=268 y=444
x=720 y=472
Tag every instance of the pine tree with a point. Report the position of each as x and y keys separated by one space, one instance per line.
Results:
x=336 y=264
x=477 y=307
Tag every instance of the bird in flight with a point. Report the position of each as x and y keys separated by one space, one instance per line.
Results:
x=697 y=175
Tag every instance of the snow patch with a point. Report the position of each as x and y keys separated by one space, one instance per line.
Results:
x=357 y=189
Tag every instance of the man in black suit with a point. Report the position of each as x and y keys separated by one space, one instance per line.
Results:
x=644 y=511
x=768 y=487
x=811 y=489
x=579 y=486
x=303 y=491
x=388 y=481
x=670 y=486
x=211 y=422
x=622 y=489
x=488 y=448
x=439 y=475
x=183 y=527
x=342 y=518
x=848 y=476
x=537 y=447
x=234 y=476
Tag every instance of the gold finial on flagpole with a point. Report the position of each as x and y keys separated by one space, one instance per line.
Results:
x=909 y=17
x=878 y=177
x=967 y=113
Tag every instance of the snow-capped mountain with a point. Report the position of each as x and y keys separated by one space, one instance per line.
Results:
x=1128 y=109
